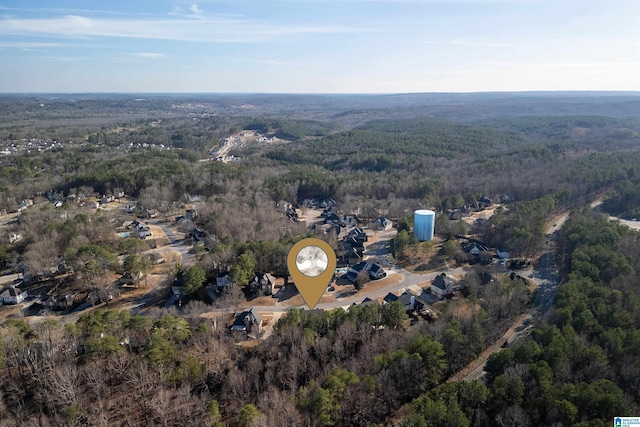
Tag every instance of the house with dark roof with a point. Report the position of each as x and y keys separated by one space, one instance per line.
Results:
x=411 y=301
x=376 y=272
x=442 y=286
x=190 y=214
x=352 y=256
x=382 y=224
x=475 y=248
x=390 y=298
x=349 y=221
x=408 y=299
x=247 y=321
x=59 y=302
x=503 y=255
x=334 y=218
x=13 y=295
x=358 y=234
x=369 y=301
x=351 y=242
x=262 y=284
x=198 y=234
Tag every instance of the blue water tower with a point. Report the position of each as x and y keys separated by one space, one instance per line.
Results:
x=424 y=221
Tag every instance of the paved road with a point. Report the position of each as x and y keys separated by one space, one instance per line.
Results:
x=154 y=294
x=176 y=244
x=408 y=279
x=546 y=277
x=376 y=252
x=475 y=369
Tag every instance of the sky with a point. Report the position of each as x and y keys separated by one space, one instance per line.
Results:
x=319 y=46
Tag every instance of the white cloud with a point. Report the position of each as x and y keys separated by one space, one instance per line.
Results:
x=28 y=45
x=207 y=29
x=471 y=43
x=63 y=10
x=196 y=10
x=150 y=55
x=64 y=58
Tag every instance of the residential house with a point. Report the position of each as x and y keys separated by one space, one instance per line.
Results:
x=390 y=298
x=140 y=228
x=369 y=301
x=382 y=224
x=222 y=281
x=325 y=213
x=106 y=199
x=309 y=203
x=25 y=204
x=262 y=284
x=294 y=214
x=351 y=242
x=442 y=286
x=15 y=237
x=459 y=213
x=247 y=321
x=283 y=205
x=349 y=221
x=327 y=203
x=197 y=234
x=59 y=302
x=475 y=249
x=408 y=299
x=13 y=295
x=130 y=278
x=359 y=234
x=143 y=232
x=155 y=258
x=327 y=229
x=190 y=214
x=352 y=256
x=334 y=218
x=375 y=271
x=354 y=270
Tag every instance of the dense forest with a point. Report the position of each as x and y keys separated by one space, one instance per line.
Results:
x=370 y=364
x=581 y=368
x=353 y=367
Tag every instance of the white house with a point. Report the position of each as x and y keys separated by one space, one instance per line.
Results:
x=13 y=295
x=442 y=286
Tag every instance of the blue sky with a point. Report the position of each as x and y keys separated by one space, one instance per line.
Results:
x=319 y=46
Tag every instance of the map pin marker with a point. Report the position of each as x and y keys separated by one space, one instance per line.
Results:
x=312 y=264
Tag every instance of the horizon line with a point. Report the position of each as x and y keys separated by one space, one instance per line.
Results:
x=497 y=92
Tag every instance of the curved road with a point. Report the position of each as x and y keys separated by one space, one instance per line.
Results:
x=376 y=252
